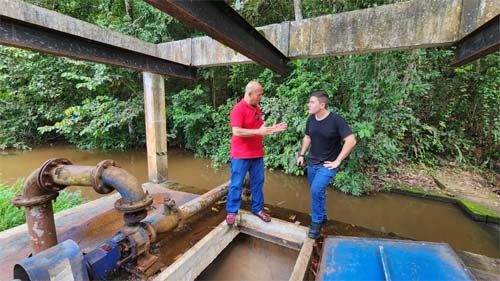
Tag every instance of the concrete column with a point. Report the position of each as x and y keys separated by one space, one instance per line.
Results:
x=156 y=127
x=297 y=6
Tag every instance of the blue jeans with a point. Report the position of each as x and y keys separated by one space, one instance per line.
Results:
x=239 y=168
x=319 y=177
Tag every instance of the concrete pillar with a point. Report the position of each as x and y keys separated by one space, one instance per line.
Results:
x=156 y=127
x=297 y=6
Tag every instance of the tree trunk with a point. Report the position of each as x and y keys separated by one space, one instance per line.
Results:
x=297 y=5
x=129 y=6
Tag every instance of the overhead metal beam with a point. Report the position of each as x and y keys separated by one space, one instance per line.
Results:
x=27 y=36
x=480 y=42
x=219 y=21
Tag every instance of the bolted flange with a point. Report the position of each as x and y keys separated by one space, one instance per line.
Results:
x=20 y=201
x=132 y=207
x=99 y=187
x=45 y=179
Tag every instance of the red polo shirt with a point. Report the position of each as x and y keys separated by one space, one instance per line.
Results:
x=246 y=116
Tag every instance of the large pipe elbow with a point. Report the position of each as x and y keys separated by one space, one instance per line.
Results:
x=31 y=188
x=133 y=201
x=124 y=183
x=39 y=213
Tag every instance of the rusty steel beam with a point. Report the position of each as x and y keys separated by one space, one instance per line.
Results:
x=480 y=42
x=219 y=21
x=23 y=35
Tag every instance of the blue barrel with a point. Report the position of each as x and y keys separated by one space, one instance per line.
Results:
x=64 y=261
x=346 y=258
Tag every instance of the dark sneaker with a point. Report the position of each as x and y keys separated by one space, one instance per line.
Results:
x=230 y=218
x=325 y=220
x=315 y=230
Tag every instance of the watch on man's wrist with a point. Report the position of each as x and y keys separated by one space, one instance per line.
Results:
x=301 y=155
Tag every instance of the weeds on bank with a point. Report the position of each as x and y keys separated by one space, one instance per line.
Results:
x=11 y=216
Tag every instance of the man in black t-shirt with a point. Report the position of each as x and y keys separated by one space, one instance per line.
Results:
x=324 y=134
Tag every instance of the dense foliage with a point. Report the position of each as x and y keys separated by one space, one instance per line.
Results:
x=13 y=216
x=403 y=106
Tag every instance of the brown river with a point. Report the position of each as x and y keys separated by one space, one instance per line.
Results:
x=406 y=216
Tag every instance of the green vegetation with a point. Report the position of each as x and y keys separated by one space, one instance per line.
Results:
x=407 y=106
x=13 y=216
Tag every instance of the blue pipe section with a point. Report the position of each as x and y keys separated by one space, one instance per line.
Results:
x=123 y=182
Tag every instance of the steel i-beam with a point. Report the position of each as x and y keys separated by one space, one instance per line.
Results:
x=480 y=42
x=219 y=21
x=27 y=36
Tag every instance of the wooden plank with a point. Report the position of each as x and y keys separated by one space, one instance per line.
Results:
x=194 y=261
x=300 y=268
x=277 y=231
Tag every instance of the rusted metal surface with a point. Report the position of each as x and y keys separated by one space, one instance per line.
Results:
x=39 y=213
x=43 y=184
x=99 y=187
x=219 y=21
x=42 y=229
x=66 y=175
x=203 y=201
x=480 y=42
x=23 y=35
x=89 y=225
x=45 y=179
x=185 y=211
x=133 y=201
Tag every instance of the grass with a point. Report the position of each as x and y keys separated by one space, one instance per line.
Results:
x=11 y=216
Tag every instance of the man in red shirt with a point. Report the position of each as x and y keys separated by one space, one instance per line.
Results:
x=247 y=152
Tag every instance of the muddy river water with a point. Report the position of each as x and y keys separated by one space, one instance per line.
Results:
x=406 y=216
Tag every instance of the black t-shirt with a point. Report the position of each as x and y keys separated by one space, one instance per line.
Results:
x=326 y=137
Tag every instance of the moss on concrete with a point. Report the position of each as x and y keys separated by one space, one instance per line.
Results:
x=476 y=211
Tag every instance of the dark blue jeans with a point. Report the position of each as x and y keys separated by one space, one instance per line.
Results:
x=239 y=168
x=319 y=177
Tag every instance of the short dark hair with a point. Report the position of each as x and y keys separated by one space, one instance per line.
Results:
x=321 y=96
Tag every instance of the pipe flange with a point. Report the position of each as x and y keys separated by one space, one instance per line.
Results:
x=45 y=179
x=150 y=229
x=21 y=201
x=132 y=207
x=99 y=187
x=134 y=217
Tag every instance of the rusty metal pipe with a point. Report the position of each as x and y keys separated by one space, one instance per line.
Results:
x=206 y=199
x=167 y=223
x=126 y=184
x=73 y=175
x=39 y=213
x=44 y=184
x=41 y=227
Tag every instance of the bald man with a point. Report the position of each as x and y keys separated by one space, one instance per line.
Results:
x=247 y=152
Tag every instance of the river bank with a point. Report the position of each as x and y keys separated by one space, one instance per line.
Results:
x=475 y=193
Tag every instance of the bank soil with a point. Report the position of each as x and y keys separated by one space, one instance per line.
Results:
x=481 y=189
